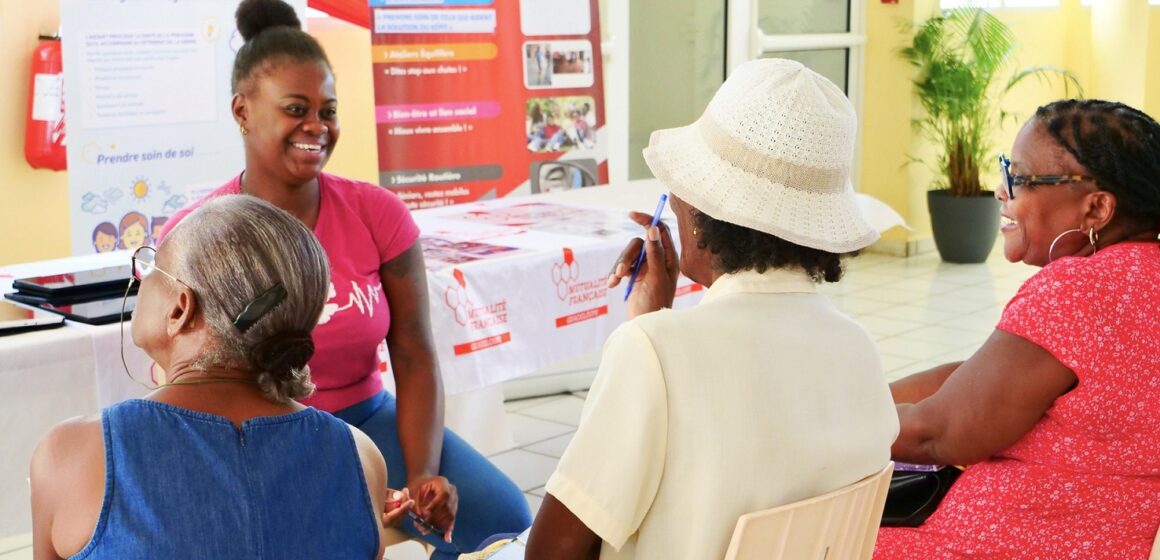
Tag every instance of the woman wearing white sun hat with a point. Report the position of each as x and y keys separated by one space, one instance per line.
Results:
x=761 y=395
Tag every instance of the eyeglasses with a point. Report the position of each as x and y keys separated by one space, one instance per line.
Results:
x=144 y=261
x=1009 y=180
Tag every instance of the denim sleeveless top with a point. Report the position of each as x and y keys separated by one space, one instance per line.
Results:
x=186 y=484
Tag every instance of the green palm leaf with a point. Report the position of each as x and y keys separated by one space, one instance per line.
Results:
x=958 y=57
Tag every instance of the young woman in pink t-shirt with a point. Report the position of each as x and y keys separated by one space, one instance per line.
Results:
x=286 y=109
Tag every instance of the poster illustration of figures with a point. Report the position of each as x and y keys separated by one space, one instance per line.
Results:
x=147 y=97
x=477 y=99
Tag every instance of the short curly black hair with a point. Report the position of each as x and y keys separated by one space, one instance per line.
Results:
x=738 y=248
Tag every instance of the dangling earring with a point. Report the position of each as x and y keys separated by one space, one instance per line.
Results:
x=243 y=129
x=1093 y=237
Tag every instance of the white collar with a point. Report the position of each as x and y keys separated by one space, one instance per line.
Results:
x=772 y=281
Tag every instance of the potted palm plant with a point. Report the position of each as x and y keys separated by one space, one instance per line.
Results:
x=959 y=58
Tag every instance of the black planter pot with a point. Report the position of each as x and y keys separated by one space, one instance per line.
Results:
x=964 y=228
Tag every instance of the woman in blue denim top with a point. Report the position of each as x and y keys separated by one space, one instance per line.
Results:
x=220 y=462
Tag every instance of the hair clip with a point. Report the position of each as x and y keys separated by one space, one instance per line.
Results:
x=259 y=307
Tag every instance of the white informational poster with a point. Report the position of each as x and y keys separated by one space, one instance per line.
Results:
x=147 y=106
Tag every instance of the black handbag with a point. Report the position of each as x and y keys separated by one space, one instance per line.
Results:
x=914 y=495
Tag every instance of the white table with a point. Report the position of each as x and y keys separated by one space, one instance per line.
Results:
x=48 y=376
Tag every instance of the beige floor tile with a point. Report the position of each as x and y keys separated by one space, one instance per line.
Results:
x=565 y=410
x=955 y=305
x=517 y=405
x=527 y=430
x=882 y=327
x=915 y=314
x=892 y=363
x=984 y=323
x=856 y=306
x=983 y=292
x=552 y=447
x=915 y=349
x=528 y=470
x=946 y=335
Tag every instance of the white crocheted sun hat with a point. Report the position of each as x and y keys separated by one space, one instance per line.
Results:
x=772 y=152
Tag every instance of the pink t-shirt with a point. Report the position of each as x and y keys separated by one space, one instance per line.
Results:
x=361 y=226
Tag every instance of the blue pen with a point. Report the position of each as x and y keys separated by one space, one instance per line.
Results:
x=640 y=258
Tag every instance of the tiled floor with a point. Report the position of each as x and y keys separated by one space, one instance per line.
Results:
x=923 y=312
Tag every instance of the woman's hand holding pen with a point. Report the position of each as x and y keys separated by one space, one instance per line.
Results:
x=436 y=503
x=656 y=281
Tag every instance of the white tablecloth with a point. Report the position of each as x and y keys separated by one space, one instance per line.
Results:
x=513 y=315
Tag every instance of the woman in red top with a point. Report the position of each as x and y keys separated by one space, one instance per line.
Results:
x=1059 y=410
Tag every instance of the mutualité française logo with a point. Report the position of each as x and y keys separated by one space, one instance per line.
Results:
x=475 y=317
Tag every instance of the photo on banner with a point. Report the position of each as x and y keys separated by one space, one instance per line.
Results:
x=560 y=124
x=478 y=99
x=147 y=97
x=559 y=64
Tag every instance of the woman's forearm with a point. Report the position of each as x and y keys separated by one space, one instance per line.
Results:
x=418 y=384
x=917 y=438
x=420 y=413
x=916 y=387
x=919 y=431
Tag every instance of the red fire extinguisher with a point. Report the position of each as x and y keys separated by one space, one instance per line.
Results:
x=44 y=132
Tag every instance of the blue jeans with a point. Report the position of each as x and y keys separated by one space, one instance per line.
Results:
x=489 y=503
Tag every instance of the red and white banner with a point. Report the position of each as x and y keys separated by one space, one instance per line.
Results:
x=476 y=99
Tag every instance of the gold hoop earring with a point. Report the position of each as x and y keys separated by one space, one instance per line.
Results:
x=242 y=128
